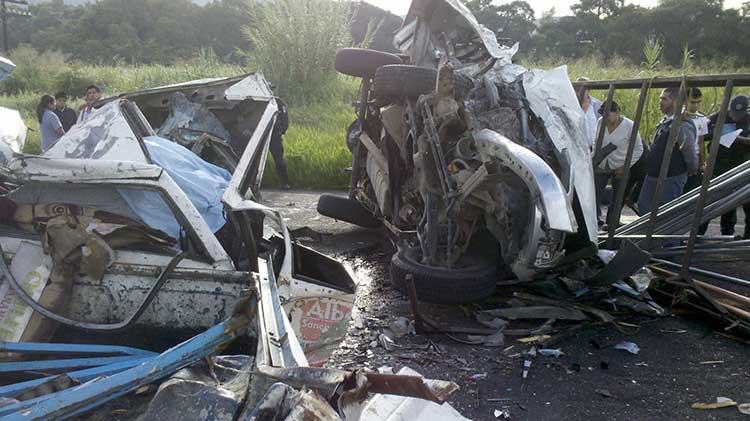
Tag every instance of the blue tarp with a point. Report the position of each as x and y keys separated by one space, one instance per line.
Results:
x=202 y=182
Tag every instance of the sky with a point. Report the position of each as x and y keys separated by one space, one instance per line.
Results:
x=562 y=7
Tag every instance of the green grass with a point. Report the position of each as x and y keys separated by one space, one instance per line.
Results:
x=315 y=146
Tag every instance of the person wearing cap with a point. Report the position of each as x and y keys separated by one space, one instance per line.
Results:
x=590 y=107
x=66 y=114
x=683 y=161
x=617 y=133
x=728 y=158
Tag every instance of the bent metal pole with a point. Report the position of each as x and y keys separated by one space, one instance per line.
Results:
x=714 y=150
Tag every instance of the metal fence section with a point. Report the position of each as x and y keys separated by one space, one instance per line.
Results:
x=670 y=221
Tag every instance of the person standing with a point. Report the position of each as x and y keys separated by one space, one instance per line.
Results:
x=617 y=132
x=276 y=145
x=692 y=112
x=93 y=94
x=728 y=158
x=684 y=158
x=50 y=127
x=66 y=115
x=590 y=107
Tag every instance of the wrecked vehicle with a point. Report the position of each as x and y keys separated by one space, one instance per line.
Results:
x=132 y=229
x=466 y=158
x=12 y=128
x=116 y=228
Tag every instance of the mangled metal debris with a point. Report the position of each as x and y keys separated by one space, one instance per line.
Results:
x=466 y=158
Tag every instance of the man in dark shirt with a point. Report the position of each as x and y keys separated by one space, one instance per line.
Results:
x=66 y=115
x=728 y=158
x=276 y=146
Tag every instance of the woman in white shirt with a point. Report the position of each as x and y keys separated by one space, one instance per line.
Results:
x=617 y=132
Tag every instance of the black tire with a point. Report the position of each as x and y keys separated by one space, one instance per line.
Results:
x=475 y=281
x=399 y=80
x=360 y=62
x=347 y=210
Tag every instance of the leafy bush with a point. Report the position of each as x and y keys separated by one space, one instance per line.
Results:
x=294 y=43
x=35 y=71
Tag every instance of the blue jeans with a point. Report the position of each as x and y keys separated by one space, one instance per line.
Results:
x=671 y=190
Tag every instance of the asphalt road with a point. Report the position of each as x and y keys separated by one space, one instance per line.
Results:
x=682 y=359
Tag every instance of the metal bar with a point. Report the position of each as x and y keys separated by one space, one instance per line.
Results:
x=79 y=399
x=674 y=253
x=715 y=245
x=614 y=218
x=677 y=237
x=713 y=152
x=603 y=123
x=666 y=159
x=273 y=318
x=364 y=139
x=357 y=153
x=731 y=295
x=50 y=348
x=80 y=376
x=703 y=272
x=740 y=79
x=734 y=176
x=42 y=365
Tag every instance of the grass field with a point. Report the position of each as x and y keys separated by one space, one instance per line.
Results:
x=315 y=148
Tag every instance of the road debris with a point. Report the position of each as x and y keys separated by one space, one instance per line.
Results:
x=401 y=327
x=631 y=347
x=720 y=403
x=503 y=414
x=604 y=392
x=551 y=352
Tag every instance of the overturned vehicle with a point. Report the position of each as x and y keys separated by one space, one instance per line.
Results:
x=465 y=157
x=119 y=225
x=123 y=232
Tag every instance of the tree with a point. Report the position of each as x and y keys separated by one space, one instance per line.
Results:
x=512 y=22
x=516 y=21
x=598 y=8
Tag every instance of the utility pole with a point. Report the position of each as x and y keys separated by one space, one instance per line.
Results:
x=5 y=11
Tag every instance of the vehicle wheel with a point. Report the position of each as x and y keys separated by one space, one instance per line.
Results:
x=475 y=281
x=361 y=62
x=399 y=80
x=347 y=210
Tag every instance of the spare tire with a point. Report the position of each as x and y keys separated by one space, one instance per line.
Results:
x=400 y=80
x=347 y=210
x=361 y=62
x=474 y=280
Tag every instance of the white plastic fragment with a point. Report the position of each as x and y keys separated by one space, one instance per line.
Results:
x=631 y=347
x=551 y=352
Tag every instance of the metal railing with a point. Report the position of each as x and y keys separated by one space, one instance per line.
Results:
x=675 y=208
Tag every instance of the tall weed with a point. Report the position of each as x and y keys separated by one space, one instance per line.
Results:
x=294 y=43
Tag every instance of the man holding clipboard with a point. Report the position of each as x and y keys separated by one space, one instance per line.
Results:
x=734 y=150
